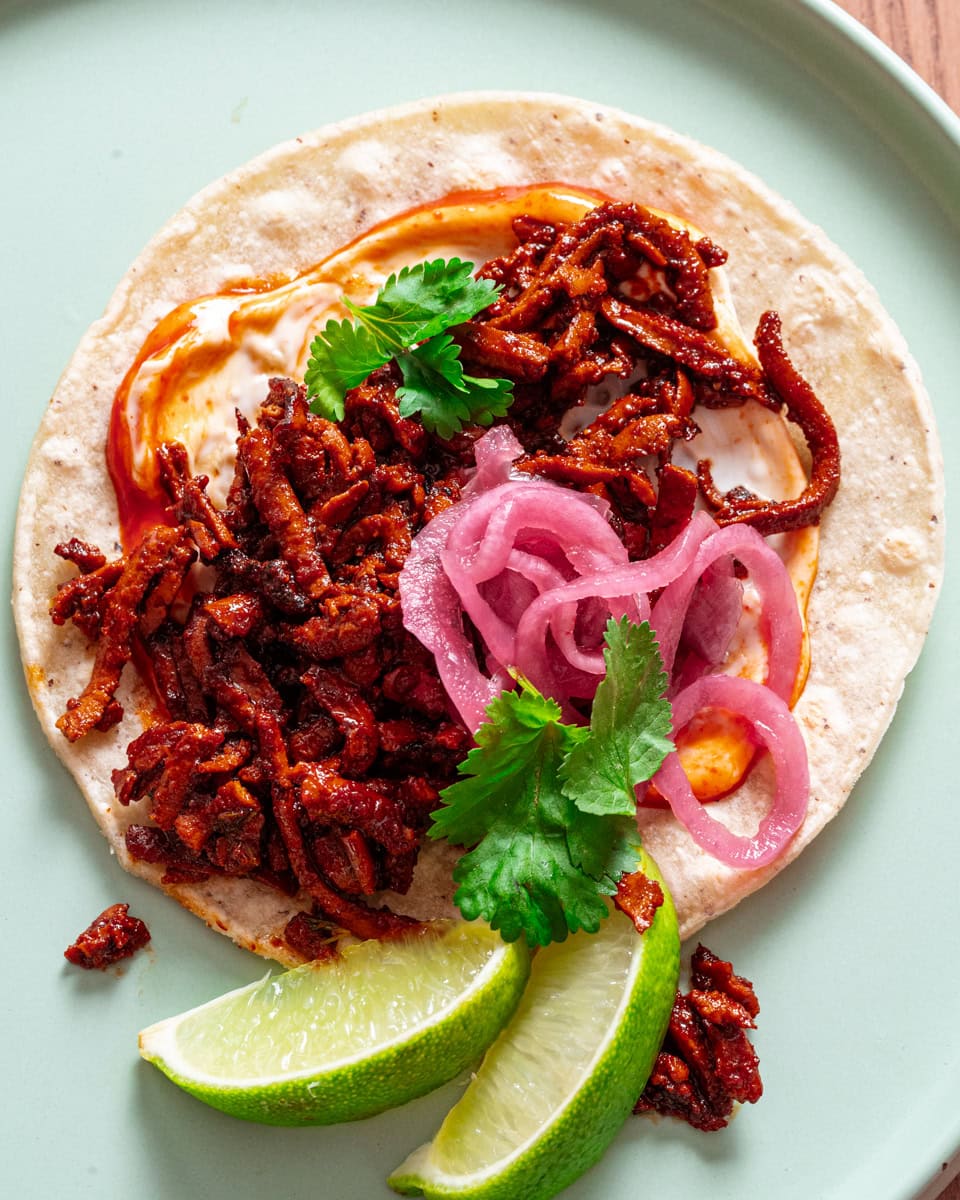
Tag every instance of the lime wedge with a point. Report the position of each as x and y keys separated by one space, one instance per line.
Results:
x=564 y=1074
x=345 y=1039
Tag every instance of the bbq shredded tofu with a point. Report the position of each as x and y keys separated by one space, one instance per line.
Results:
x=302 y=734
x=108 y=939
x=706 y=1063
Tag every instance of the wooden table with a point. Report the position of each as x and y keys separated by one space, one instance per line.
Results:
x=926 y=33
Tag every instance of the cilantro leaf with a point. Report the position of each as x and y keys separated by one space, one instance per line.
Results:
x=341 y=357
x=522 y=883
x=539 y=865
x=548 y=809
x=435 y=386
x=629 y=725
x=407 y=322
x=424 y=300
x=519 y=730
x=603 y=847
x=487 y=398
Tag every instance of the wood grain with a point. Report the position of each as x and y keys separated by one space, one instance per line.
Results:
x=925 y=33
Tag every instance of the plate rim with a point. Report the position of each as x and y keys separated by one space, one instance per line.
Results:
x=905 y=86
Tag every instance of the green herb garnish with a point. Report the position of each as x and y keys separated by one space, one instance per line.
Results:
x=408 y=323
x=629 y=725
x=548 y=807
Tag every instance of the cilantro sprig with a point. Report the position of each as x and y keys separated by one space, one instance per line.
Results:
x=549 y=808
x=407 y=323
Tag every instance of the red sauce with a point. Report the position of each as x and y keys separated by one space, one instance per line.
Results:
x=715 y=755
x=141 y=500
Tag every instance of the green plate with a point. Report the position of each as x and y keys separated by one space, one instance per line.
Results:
x=113 y=114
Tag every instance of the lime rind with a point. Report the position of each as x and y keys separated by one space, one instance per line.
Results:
x=403 y=1056
x=492 y=1148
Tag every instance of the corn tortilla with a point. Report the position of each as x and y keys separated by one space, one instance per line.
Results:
x=881 y=549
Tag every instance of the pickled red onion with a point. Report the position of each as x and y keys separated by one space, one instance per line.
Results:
x=714 y=612
x=432 y=613
x=482 y=544
x=536 y=567
x=773 y=722
x=780 y=616
x=493 y=454
x=625 y=588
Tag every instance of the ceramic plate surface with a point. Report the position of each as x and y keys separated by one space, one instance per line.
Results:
x=112 y=115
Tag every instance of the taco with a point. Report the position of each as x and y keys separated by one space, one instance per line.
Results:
x=258 y=234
